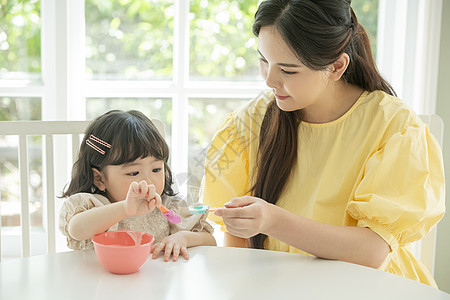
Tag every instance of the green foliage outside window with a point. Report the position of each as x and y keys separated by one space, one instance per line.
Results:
x=20 y=37
x=129 y=39
x=367 y=13
x=222 y=45
x=134 y=38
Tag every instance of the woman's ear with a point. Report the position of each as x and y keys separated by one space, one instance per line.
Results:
x=99 y=179
x=339 y=66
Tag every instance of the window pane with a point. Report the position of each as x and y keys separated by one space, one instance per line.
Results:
x=20 y=40
x=367 y=13
x=205 y=118
x=129 y=39
x=222 y=43
x=14 y=109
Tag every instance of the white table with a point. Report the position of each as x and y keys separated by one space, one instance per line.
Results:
x=211 y=273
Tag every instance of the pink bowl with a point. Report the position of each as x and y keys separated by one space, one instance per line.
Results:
x=123 y=252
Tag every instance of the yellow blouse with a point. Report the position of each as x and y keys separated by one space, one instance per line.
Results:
x=377 y=166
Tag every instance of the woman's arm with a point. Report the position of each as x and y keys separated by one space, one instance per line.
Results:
x=347 y=243
x=251 y=216
x=230 y=240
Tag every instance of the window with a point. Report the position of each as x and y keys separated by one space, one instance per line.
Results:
x=162 y=57
x=220 y=35
x=20 y=40
x=129 y=40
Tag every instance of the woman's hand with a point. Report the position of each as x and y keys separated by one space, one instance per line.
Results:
x=174 y=244
x=246 y=216
x=141 y=199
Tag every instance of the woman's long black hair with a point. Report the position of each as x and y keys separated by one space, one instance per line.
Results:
x=317 y=32
x=132 y=135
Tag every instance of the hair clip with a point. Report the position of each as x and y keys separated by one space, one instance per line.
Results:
x=101 y=142
x=98 y=141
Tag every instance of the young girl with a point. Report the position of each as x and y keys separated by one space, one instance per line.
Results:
x=120 y=177
x=328 y=162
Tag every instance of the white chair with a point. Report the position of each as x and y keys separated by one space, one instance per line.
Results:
x=425 y=249
x=49 y=131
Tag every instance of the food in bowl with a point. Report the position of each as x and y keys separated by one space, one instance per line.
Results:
x=124 y=251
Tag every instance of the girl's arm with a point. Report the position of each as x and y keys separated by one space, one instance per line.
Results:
x=202 y=238
x=141 y=199
x=96 y=220
x=347 y=243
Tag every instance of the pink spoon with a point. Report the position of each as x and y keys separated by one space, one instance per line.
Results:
x=169 y=214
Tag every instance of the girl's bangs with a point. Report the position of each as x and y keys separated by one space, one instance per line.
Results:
x=137 y=144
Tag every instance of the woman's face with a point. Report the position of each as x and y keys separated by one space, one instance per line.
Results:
x=294 y=85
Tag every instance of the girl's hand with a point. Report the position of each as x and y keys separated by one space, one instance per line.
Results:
x=174 y=244
x=141 y=199
x=246 y=216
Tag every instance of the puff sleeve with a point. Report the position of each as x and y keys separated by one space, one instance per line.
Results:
x=401 y=194
x=76 y=204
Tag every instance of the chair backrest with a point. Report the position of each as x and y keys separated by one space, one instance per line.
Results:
x=425 y=249
x=51 y=144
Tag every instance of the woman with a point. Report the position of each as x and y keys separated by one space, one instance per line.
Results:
x=328 y=162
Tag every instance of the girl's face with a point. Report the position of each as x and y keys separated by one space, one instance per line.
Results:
x=295 y=86
x=117 y=178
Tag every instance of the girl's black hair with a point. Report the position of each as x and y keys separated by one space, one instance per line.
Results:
x=132 y=135
x=318 y=32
